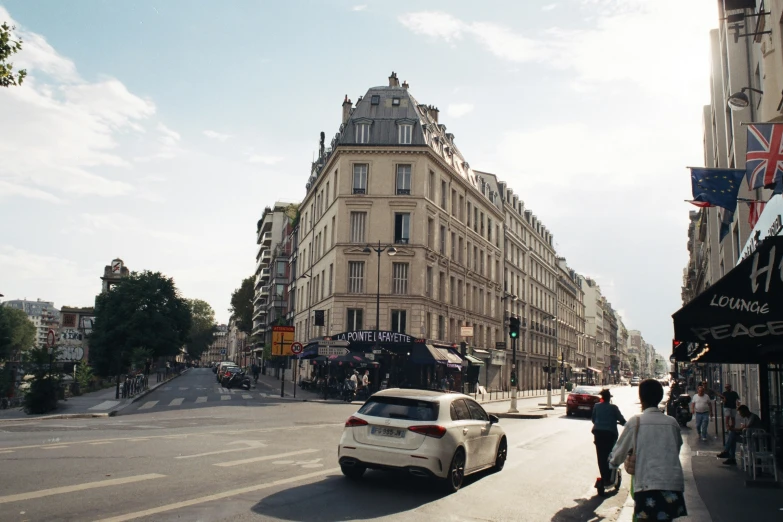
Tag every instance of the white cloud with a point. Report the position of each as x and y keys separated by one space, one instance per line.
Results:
x=457 y=110
x=359 y=7
x=12 y=189
x=216 y=135
x=548 y=7
x=434 y=24
x=266 y=160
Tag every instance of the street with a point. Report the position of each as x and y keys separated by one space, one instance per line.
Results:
x=194 y=451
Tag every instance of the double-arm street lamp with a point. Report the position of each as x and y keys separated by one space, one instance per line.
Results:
x=549 y=366
x=379 y=250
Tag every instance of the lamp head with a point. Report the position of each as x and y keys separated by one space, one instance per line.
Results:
x=392 y=251
x=738 y=101
x=367 y=250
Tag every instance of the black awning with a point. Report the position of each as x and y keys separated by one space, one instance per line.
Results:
x=740 y=317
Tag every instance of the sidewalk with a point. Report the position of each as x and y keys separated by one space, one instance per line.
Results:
x=714 y=491
x=99 y=403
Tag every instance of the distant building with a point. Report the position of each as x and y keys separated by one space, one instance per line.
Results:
x=42 y=314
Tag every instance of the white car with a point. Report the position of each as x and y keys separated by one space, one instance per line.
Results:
x=426 y=433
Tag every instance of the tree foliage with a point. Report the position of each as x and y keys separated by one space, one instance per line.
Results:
x=203 y=328
x=8 y=47
x=242 y=305
x=143 y=310
x=44 y=388
x=17 y=332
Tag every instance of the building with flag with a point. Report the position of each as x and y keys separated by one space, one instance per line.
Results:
x=743 y=130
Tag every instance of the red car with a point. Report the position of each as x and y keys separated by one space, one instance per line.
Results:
x=582 y=399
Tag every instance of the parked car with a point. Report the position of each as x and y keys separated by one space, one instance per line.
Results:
x=635 y=381
x=426 y=433
x=582 y=399
x=222 y=367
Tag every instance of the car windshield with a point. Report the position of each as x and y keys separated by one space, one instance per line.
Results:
x=400 y=408
x=586 y=390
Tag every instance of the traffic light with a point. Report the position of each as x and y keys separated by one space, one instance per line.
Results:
x=675 y=344
x=513 y=327
x=513 y=378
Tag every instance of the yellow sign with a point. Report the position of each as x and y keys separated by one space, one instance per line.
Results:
x=282 y=338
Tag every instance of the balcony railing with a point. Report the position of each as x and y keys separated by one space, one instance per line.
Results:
x=266 y=239
x=264 y=290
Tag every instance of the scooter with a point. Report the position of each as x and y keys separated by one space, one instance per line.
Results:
x=349 y=391
x=239 y=379
x=614 y=483
x=682 y=409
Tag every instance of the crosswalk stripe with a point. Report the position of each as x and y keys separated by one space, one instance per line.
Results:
x=265 y=457
x=225 y=397
x=201 y=399
x=77 y=487
x=247 y=396
x=147 y=405
x=105 y=405
x=176 y=402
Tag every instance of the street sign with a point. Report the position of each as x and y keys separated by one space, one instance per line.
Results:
x=466 y=331
x=377 y=352
x=369 y=356
x=50 y=338
x=282 y=339
x=223 y=351
x=329 y=342
x=332 y=350
x=500 y=345
x=296 y=348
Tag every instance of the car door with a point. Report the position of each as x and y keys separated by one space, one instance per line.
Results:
x=486 y=441
x=468 y=431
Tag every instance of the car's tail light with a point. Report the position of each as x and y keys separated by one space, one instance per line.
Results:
x=429 y=431
x=353 y=422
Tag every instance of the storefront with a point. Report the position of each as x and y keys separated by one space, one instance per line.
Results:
x=739 y=321
x=399 y=359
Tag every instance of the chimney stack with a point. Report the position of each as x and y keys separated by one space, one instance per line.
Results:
x=405 y=85
x=434 y=113
x=346 y=109
x=393 y=81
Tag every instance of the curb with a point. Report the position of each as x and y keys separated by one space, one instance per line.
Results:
x=521 y=415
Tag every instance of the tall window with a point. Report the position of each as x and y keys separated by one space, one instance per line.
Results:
x=442 y=287
x=358 y=227
x=355 y=319
x=400 y=278
x=443 y=240
x=405 y=134
x=428 y=326
x=356 y=277
x=431 y=233
x=431 y=189
x=444 y=196
x=453 y=246
x=441 y=328
x=404 y=179
x=429 y=281
x=331 y=278
x=452 y=291
x=280 y=268
x=398 y=320
x=402 y=227
x=363 y=133
x=360 y=178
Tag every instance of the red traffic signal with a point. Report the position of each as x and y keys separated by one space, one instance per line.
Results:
x=675 y=344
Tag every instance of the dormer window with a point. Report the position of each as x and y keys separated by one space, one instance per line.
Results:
x=396 y=102
x=375 y=99
x=362 y=133
x=405 y=134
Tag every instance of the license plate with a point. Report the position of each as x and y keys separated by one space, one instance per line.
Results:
x=388 y=432
x=584 y=407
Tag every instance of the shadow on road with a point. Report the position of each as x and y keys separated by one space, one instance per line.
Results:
x=378 y=494
x=584 y=510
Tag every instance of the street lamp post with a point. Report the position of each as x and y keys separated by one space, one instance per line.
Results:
x=378 y=250
x=549 y=371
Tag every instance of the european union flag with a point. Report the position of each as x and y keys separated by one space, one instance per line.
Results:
x=716 y=187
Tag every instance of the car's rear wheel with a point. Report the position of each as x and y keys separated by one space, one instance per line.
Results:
x=456 y=474
x=353 y=472
x=502 y=454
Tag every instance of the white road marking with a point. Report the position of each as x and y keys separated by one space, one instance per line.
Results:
x=147 y=405
x=78 y=487
x=225 y=397
x=219 y=496
x=251 y=444
x=183 y=387
x=263 y=458
x=98 y=443
x=105 y=405
x=7 y=451
x=247 y=396
x=201 y=399
x=177 y=401
x=55 y=447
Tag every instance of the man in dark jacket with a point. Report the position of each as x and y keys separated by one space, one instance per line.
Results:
x=606 y=416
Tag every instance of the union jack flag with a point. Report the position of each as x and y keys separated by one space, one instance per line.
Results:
x=764 y=159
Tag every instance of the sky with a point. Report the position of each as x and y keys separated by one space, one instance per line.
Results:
x=157 y=131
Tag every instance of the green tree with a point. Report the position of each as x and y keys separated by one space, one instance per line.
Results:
x=242 y=305
x=84 y=375
x=8 y=47
x=45 y=386
x=143 y=310
x=202 y=329
x=17 y=333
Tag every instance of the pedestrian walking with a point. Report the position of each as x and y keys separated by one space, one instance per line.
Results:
x=606 y=416
x=256 y=370
x=750 y=421
x=653 y=440
x=701 y=407
x=731 y=400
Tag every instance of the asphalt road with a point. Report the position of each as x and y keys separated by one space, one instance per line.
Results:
x=258 y=457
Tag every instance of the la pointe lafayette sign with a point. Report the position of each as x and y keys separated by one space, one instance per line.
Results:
x=375 y=336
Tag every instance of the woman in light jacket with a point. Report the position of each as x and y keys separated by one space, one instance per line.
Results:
x=658 y=481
